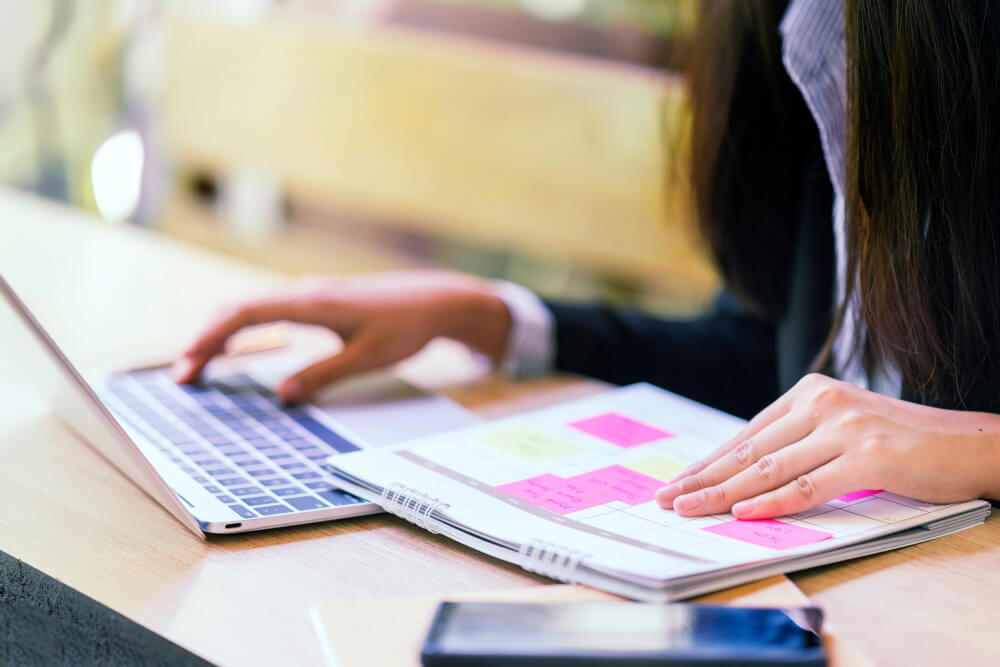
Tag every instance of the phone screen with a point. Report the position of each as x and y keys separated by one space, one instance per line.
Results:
x=623 y=629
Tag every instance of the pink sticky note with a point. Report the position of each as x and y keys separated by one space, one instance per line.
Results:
x=858 y=495
x=552 y=493
x=618 y=483
x=769 y=533
x=619 y=430
x=533 y=488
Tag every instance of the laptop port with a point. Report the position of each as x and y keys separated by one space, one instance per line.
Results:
x=233 y=525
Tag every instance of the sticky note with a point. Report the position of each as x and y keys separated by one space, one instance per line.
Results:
x=618 y=483
x=552 y=493
x=769 y=533
x=620 y=431
x=858 y=495
x=659 y=467
x=533 y=488
x=530 y=444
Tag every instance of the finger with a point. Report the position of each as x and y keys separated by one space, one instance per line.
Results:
x=358 y=356
x=804 y=492
x=764 y=418
x=213 y=339
x=785 y=430
x=771 y=471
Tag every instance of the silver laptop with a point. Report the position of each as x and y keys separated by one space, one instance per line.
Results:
x=223 y=456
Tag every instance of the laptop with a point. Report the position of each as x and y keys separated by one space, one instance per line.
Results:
x=224 y=456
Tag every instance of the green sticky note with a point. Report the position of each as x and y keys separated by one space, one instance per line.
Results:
x=659 y=467
x=530 y=444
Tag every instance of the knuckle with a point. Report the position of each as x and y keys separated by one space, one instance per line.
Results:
x=873 y=447
x=744 y=452
x=251 y=313
x=852 y=420
x=694 y=482
x=804 y=487
x=719 y=494
x=827 y=396
x=811 y=380
x=237 y=316
x=766 y=468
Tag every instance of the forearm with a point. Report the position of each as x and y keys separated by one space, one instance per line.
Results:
x=973 y=443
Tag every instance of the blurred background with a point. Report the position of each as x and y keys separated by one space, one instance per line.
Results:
x=533 y=140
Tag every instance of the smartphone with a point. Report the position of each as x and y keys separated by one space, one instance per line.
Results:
x=622 y=633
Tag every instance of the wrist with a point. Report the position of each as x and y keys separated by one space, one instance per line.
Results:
x=985 y=447
x=479 y=318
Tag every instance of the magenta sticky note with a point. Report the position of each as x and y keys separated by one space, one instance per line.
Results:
x=858 y=495
x=769 y=533
x=618 y=483
x=533 y=488
x=619 y=430
x=552 y=493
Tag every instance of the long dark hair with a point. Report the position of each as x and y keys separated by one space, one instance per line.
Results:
x=922 y=183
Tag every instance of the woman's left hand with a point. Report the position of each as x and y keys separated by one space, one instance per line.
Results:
x=825 y=438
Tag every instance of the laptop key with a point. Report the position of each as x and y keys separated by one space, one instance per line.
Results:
x=275 y=481
x=242 y=511
x=307 y=475
x=331 y=438
x=306 y=503
x=213 y=489
x=206 y=461
x=318 y=485
x=312 y=451
x=289 y=491
x=226 y=499
x=258 y=500
x=270 y=510
x=246 y=491
x=232 y=481
x=338 y=497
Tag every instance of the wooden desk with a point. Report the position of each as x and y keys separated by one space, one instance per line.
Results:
x=112 y=294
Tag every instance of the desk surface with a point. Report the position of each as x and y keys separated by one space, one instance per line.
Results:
x=112 y=294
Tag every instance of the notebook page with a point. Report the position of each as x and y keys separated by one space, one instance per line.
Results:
x=582 y=475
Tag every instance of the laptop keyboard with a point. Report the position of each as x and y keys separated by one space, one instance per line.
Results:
x=235 y=439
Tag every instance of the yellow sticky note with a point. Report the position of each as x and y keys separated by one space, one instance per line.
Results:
x=530 y=444
x=659 y=467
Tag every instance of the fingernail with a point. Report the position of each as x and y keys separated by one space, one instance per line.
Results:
x=291 y=391
x=181 y=369
x=690 y=501
x=743 y=508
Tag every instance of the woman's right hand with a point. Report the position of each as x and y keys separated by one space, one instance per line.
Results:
x=382 y=319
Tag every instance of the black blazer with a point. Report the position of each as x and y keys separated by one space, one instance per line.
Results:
x=729 y=358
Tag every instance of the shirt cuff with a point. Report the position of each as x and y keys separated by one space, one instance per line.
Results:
x=531 y=345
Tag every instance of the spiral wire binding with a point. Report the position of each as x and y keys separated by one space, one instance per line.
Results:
x=550 y=560
x=412 y=505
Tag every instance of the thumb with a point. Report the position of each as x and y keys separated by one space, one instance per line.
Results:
x=356 y=357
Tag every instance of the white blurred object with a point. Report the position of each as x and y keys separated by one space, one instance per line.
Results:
x=554 y=10
x=252 y=202
x=116 y=175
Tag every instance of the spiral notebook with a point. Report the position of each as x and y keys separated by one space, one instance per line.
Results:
x=567 y=492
